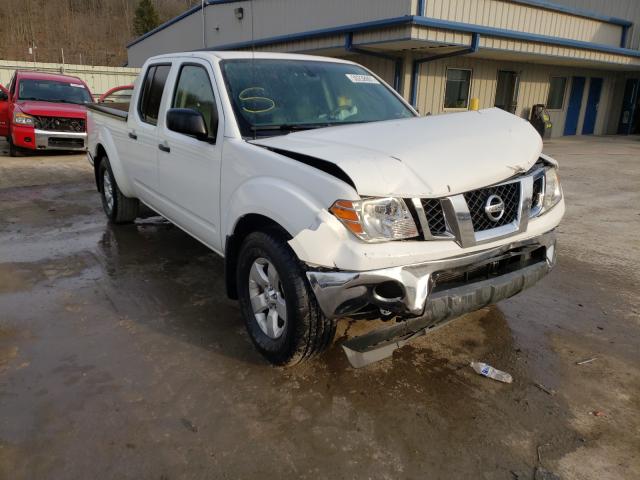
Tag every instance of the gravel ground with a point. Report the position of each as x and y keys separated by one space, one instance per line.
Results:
x=120 y=356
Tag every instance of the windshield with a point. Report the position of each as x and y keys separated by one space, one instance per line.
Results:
x=284 y=95
x=53 y=91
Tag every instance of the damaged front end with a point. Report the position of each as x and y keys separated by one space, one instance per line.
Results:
x=426 y=295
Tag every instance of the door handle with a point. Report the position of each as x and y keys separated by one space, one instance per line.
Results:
x=133 y=136
x=164 y=148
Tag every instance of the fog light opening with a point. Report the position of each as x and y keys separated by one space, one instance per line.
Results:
x=388 y=291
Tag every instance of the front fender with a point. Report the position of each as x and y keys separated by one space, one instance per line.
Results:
x=279 y=200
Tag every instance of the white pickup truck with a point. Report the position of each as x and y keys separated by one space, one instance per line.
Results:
x=329 y=196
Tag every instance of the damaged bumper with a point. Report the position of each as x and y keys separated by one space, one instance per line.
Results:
x=436 y=290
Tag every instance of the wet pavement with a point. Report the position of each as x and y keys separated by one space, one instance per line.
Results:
x=120 y=356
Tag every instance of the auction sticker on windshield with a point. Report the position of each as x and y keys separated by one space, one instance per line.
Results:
x=361 y=78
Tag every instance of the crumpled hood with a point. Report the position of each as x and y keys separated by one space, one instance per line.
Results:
x=422 y=157
x=49 y=109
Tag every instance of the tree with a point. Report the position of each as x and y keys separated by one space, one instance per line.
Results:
x=146 y=17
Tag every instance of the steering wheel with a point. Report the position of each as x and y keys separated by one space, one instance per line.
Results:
x=336 y=111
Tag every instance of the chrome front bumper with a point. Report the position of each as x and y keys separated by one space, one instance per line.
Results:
x=51 y=140
x=422 y=290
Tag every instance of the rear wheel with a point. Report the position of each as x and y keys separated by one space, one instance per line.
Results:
x=281 y=313
x=117 y=207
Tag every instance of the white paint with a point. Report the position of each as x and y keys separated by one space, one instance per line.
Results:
x=423 y=157
x=412 y=157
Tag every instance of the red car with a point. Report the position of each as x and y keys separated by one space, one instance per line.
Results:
x=44 y=111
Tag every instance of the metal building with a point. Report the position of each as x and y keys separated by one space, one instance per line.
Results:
x=581 y=58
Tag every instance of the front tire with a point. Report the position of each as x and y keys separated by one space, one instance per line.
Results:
x=280 y=311
x=117 y=207
x=13 y=150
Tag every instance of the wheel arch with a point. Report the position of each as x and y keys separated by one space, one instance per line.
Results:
x=105 y=147
x=247 y=224
x=100 y=154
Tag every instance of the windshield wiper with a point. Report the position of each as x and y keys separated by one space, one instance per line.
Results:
x=62 y=100
x=34 y=99
x=288 y=127
x=56 y=100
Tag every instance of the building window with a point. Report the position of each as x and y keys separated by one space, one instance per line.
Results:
x=557 y=86
x=456 y=94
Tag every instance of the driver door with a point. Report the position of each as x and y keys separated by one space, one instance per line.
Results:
x=4 y=112
x=188 y=168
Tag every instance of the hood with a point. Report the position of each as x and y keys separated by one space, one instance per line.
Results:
x=425 y=156
x=50 y=109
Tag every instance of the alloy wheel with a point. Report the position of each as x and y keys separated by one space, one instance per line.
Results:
x=267 y=298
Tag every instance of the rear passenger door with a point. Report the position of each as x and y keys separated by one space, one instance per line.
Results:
x=140 y=147
x=188 y=168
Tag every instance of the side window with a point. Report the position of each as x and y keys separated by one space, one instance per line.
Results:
x=152 y=88
x=557 y=87
x=193 y=90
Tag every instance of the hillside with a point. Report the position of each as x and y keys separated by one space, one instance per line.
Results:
x=90 y=31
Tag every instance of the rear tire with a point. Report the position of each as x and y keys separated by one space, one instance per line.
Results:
x=117 y=207
x=270 y=280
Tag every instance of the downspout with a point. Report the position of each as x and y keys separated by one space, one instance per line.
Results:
x=422 y=8
x=415 y=73
x=397 y=75
x=623 y=37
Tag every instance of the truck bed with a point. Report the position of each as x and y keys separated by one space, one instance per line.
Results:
x=117 y=110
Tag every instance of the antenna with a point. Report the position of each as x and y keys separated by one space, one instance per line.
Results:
x=204 y=26
x=253 y=58
x=253 y=44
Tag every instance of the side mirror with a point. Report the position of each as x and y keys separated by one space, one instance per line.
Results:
x=188 y=122
x=4 y=94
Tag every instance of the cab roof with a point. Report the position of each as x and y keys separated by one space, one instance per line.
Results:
x=30 y=74
x=228 y=55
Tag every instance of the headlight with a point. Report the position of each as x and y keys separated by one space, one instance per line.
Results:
x=23 y=119
x=552 y=189
x=376 y=219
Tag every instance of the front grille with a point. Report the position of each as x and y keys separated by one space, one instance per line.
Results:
x=435 y=216
x=477 y=199
x=66 y=142
x=58 y=124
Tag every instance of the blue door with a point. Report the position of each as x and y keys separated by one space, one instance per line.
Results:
x=573 y=109
x=590 y=114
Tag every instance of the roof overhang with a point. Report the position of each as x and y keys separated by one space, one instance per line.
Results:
x=428 y=36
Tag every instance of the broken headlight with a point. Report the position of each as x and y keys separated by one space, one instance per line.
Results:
x=376 y=219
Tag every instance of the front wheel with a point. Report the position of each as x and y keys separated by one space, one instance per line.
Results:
x=13 y=150
x=281 y=313
x=117 y=207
